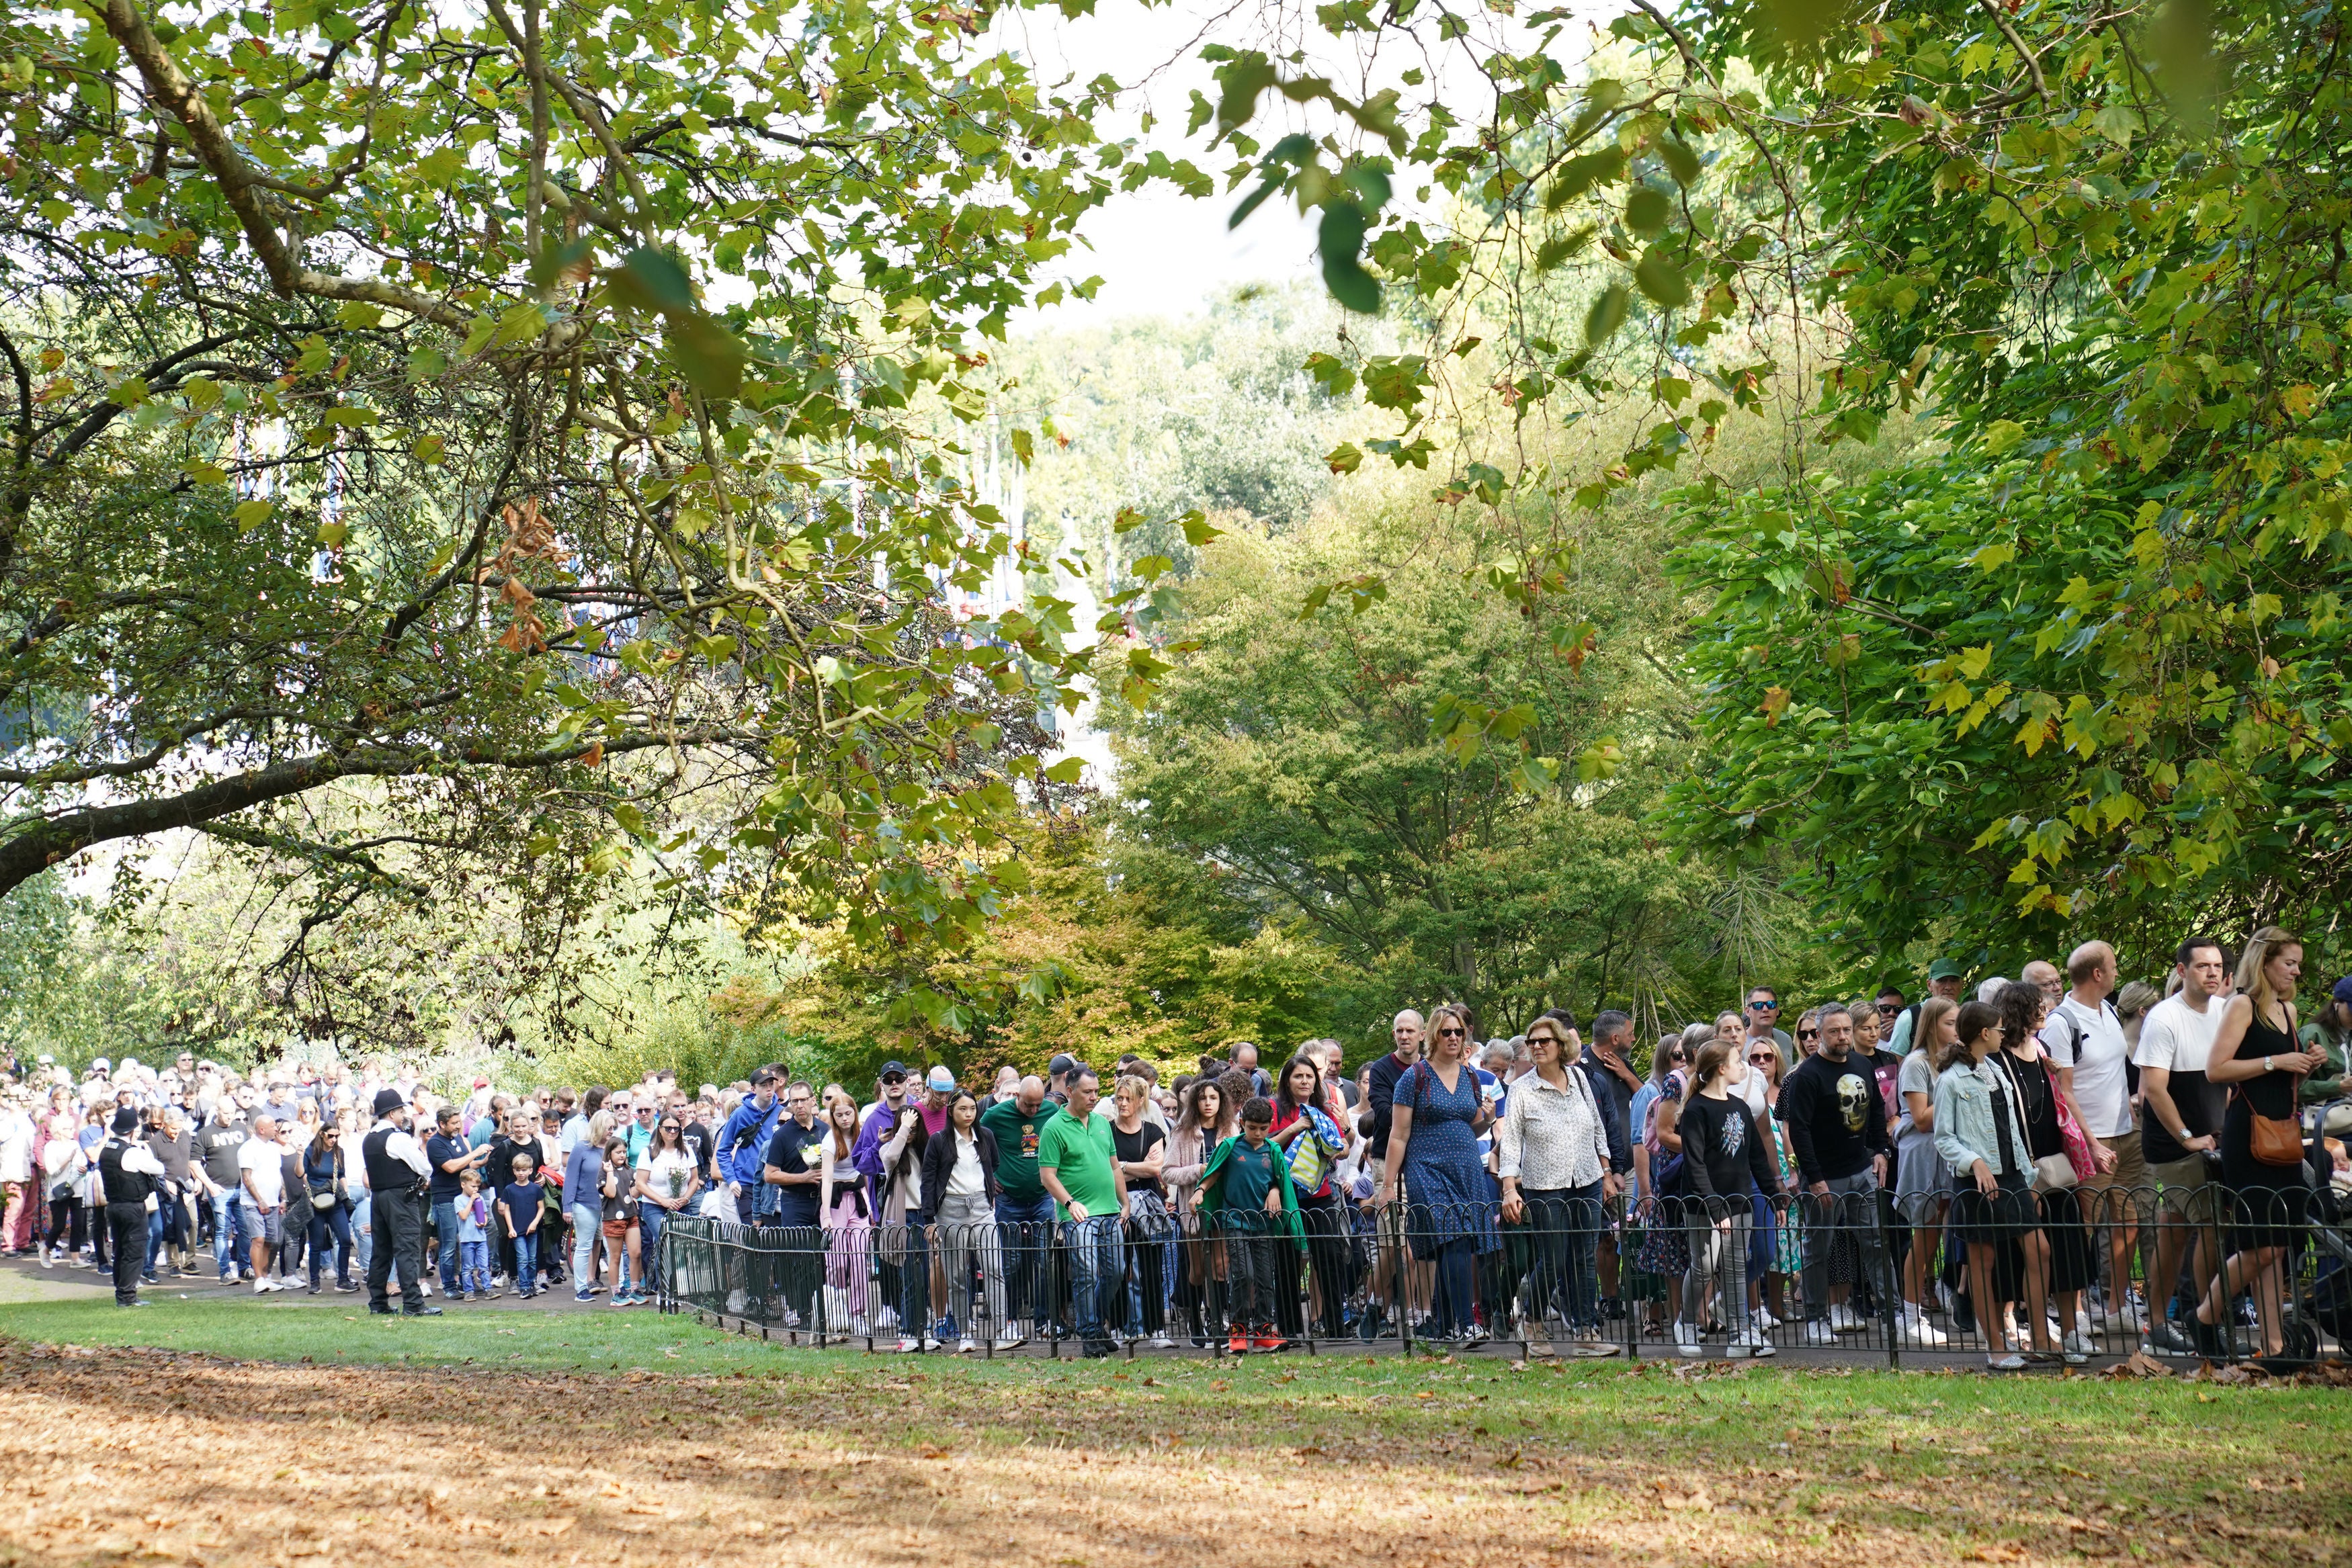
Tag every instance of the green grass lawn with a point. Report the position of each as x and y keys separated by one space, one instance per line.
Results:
x=1870 y=1442
x=1378 y=1460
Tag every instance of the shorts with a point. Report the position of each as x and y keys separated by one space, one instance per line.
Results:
x=265 y=1224
x=619 y=1229
x=2129 y=1182
x=2189 y=1195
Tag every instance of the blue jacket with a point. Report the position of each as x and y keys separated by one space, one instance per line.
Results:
x=744 y=1148
x=1608 y=1097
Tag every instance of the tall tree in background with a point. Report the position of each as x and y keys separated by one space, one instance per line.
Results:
x=2080 y=672
x=1299 y=756
x=501 y=415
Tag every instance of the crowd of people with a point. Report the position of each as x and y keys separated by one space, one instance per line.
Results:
x=2012 y=1166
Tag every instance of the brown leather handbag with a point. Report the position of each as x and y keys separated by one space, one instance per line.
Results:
x=2277 y=1140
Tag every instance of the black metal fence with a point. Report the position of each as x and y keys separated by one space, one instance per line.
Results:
x=2073 y=1276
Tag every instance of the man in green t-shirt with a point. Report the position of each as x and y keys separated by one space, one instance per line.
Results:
x=1078 y=1163
x=1024 y=1211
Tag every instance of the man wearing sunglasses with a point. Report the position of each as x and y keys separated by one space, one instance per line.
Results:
x=1763 y=1012
x=889 y=1154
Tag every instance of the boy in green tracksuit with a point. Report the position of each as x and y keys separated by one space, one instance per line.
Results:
x=1246 y=1189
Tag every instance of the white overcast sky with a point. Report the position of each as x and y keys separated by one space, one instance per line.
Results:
x=1160 y=253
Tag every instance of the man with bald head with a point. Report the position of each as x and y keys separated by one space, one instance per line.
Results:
x=1024 y=1210
x=261 y=1173
x=2085 y=1042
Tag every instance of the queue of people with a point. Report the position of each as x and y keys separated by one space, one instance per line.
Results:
x=2053 y=1166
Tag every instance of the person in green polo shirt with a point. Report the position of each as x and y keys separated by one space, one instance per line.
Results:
x=1024 y=1211
x=1078 y=1163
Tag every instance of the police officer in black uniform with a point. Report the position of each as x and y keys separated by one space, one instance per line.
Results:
x=131 y=1174
x=396 y=1172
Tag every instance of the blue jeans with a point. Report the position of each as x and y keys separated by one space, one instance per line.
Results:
x=1024 y=1227
x=526 y=1262
x=651 y=1217
x=587 y=1228
x=474 y=1271
x=1097 y=1250
x=444 y=1229
x=330 y=1228
x=231 y=1234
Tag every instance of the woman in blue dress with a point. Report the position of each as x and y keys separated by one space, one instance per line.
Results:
x=1433 y=1167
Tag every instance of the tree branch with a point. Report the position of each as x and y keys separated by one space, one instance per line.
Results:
x=241 y=183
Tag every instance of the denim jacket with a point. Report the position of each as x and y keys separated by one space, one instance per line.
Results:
x=1965 y=1132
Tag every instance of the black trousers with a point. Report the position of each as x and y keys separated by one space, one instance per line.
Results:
x=126 y=1225
x=396 y=1236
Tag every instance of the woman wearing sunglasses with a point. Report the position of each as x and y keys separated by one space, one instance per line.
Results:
x=1773 y=1253
x=1434 y=1148
x=668 y=1177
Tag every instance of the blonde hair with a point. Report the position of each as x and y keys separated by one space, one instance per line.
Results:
x=600 y=1128
x=2251 y=980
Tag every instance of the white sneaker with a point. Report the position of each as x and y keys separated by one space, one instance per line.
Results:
x=1918 y=1331
x=261 y=1287
x=1009 y=1341
x=1845 y=1320
x=910 y=1346
x=931 y=1342
x=1763 y=1319
x=1162 y=1342
x=966 y=1345
x=2080 y=1344
x=1687 y=1340
x=1818 y=1331
x=736 y=1303
x=1751 y=1341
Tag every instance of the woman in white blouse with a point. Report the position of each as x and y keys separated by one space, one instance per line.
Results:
x=1553 y=1154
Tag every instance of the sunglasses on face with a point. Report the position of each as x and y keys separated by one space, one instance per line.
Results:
x=1450 y=1033
x=1808 y=1034
x=1764 y=1056
x=1887 y=1009
x=1762 y=1007
x=893 y=1078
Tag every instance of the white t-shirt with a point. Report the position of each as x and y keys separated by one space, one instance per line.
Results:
x=2097 y=1057
x=260 y=1160
x=660 y=1168
x=2177 y=1037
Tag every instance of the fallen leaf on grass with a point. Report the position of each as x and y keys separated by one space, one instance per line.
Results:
x=2138 y=1364
x=553 y=1526
x=933 y=1451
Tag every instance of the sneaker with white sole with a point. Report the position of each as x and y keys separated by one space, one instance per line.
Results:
x=1686 y=1341
x=966 y=1345
x=1763 y=1319
x=910 y=1346
x=1843 y=1319
x=1009 y=1341
x=1162 y=1342
x=1818 y=1331
x=2080 y=1344
x=1751 y=1342
x=1917 y=1330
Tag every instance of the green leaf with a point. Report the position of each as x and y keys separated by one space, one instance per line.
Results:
x=251 y=514
x=1681 y=162
x=1647 y=209
x=1663 y=281
x=1197 y=530
x=1607 y=314
x=1068 y=770
x=652 y=280
x=708 y=353
x=1340 y=239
